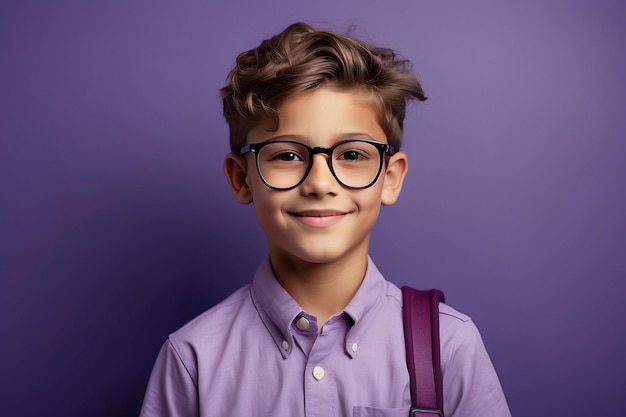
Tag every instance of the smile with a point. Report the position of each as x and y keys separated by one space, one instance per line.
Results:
x=318 y=218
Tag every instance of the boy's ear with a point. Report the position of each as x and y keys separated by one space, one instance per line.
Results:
x=236 y=174
x=396 y=170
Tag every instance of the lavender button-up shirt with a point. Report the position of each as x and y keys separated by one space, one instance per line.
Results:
x=257 y=353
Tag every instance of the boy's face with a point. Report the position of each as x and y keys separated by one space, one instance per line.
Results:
x=319 y=221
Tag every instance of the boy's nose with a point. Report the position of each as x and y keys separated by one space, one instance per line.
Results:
x=320 y=180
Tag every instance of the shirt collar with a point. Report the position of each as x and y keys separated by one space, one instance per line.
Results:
x=364 y=305
x=275 y=306
x=372 y=289
x=278 y=309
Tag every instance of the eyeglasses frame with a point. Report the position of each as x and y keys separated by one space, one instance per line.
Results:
x=255 y=148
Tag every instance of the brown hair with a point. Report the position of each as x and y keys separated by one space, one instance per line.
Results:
x=303 y=58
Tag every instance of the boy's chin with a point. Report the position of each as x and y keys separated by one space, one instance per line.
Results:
x=320 y=255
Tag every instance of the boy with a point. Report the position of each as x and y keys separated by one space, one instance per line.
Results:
x=315 y=126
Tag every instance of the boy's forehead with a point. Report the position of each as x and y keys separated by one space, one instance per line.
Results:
x=322 y=113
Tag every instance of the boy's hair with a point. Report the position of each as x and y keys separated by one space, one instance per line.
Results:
x=303 y=58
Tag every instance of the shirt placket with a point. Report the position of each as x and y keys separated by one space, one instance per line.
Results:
x=320 y=387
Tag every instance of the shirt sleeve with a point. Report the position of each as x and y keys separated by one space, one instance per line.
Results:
x=470 y=383
x=172 y=389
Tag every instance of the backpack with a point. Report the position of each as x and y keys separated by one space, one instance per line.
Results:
x=420 y=317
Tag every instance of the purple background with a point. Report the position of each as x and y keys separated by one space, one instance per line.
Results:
x=117 y=226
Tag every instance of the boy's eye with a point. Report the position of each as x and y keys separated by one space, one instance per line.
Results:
x=287 y=156
x=352 y=155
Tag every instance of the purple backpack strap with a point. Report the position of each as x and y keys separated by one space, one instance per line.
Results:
x=420 y=315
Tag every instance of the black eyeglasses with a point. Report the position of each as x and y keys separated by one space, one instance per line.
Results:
x=284 y=164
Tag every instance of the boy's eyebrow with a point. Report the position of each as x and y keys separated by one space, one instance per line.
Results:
x=304 y=139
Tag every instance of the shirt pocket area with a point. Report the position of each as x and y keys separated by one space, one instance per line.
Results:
x=360 y=411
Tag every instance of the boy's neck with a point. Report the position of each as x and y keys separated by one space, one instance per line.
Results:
x=320 y=289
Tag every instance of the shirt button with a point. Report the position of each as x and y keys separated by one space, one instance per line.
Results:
x=355 y=347
x=302 y=323
x=318 y=372
x=285 y=345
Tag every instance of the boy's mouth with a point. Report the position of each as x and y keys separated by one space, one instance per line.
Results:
x=318 y=213
x=318 y=218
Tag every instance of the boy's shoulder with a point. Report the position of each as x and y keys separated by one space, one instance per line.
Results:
x=446 y=312
x=212 y=321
